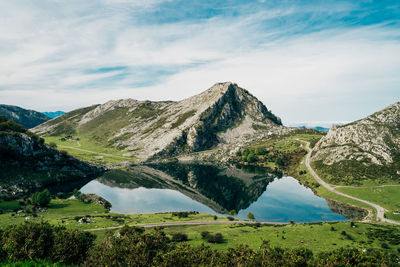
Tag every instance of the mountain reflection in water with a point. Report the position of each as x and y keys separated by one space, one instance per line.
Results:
x=210 y=189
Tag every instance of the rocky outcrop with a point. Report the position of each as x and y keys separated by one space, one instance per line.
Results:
x=223 y=114
x=25 y=117
x=350 y=212
x=27 y=163
x=372 y=141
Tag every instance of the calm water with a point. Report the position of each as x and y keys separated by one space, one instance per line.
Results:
x=208 y=189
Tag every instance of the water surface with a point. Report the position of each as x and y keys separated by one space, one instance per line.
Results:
x=212 y=190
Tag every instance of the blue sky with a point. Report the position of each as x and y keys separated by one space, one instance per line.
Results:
x=306 y=60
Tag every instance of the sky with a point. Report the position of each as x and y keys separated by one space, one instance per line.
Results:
x=307 y=61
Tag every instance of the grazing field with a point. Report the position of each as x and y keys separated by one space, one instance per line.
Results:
x=67 y=212
x=387 y=197
x=85 y=149
x=318 y=236
x=315 y=236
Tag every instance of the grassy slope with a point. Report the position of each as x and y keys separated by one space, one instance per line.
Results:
x=387 y=197
x=317 y=237
x=97 y=136
x=64 y=211
x=93 y=150
x=288 y=148
x=353 y=172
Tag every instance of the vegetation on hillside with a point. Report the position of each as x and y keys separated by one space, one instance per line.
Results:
x=133 y=246
x=354 y=172
x=281 y=153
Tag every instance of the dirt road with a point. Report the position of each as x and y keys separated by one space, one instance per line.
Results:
x=380 y=211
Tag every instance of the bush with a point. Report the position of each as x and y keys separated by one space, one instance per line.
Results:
x=217 y=238
x=181 y=214
x=41 y=199
x=385 y=246
x=204 y=234
x=233 y=212
x=53 y=145
x=251 y=157
x=179 y=237
x=250 y=216
x=44 y=241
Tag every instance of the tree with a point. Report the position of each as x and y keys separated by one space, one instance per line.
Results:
x=53 y=145
x=279 y=162
x=233 y=212
x=250 y=216
x=251 y=157
x=41 y=198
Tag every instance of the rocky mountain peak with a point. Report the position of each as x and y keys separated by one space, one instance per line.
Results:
x=222 y=114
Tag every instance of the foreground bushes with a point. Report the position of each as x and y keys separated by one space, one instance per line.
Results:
x=133 y=246
x=30 y=241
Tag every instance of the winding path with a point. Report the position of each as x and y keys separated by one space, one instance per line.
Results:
x=98 y=153
x=166 y=224
x=380 y=211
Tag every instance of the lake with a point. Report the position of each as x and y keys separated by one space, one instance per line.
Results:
x=213 y=190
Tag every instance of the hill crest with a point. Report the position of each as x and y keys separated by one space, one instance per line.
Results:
x=223 y=114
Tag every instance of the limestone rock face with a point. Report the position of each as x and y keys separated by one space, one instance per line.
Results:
x=27 y=163
x=372 y=140
x=223 y=114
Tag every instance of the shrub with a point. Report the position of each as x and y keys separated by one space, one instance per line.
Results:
x=217 y=238
x=385 y=246
x=251 y=157
x=181 y=214
x=233 y=212
x=250 y=216
x=41 y=199
x=179 y=237
x=44 y=241
x=53 y=145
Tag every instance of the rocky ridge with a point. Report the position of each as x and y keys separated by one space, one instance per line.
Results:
x=25 y=117
x=222 y=115
x=27 y=163
x=372 y=141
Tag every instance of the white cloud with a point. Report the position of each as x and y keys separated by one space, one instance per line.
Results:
x=47 y=49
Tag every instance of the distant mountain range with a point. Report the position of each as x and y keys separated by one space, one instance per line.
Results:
x=225 y=114
x=318 y=128
x=54 y=114
x=25 y=117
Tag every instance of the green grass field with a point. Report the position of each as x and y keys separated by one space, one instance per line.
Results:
x=317 y=237
x=64 y=211
x=387 y=197
x=88 y=150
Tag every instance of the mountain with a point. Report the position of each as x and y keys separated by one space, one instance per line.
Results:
x=223 y=114
x=25 y=117
x=367 y=149
x=27 y=163
x=54 y=114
